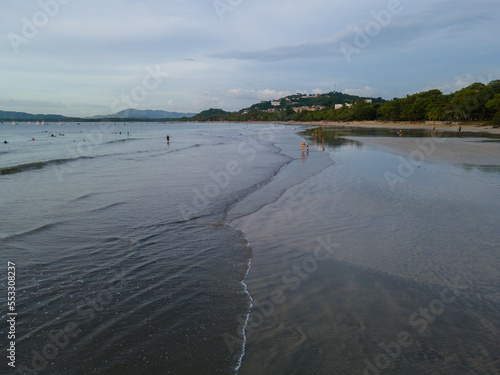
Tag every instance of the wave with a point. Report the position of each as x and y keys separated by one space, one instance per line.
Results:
x=100 y=209
x=244 y=326
x=121 y=140
x=184 y=148
x=38 y=165
x=26 y=167
x=39 y=229
x=83 y=197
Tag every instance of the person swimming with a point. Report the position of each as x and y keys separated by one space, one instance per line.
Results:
x=5 y=142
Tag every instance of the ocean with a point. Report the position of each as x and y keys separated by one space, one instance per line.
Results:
x=137 y=256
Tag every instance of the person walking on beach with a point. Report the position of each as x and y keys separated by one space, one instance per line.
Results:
x=459 y=129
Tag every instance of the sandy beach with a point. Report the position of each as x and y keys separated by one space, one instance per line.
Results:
x=350 y=276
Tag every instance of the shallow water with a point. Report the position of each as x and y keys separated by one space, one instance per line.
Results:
x=123 y=237
x=123 y=241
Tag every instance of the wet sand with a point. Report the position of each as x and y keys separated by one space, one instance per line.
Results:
x=465 y=151
x=351 y=277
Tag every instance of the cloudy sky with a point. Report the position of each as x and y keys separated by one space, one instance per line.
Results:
x=82 y=58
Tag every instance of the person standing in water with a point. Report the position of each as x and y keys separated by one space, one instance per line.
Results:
x=168 y=139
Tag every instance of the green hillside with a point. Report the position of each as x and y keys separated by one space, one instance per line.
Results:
x=477 y=102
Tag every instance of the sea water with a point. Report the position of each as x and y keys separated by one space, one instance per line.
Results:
x=138 y=256
x=121 y=246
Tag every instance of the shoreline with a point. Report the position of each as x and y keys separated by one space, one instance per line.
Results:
x=440 y=125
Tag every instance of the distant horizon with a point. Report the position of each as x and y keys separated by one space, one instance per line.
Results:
x=103 y=116
x=304 y=92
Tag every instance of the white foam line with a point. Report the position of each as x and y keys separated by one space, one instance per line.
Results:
x=240 y=359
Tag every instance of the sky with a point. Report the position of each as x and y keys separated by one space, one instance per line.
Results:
x=86 y=58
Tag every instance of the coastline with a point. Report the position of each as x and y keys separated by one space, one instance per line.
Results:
x=440 y=125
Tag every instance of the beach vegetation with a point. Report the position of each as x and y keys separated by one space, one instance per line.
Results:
x=475 y=103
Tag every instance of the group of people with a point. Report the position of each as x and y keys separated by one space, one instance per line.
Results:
x=304 y=146
x=317 y=135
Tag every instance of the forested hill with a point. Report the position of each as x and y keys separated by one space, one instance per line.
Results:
x=312 y=101
x=477 y=102
x=284 y=108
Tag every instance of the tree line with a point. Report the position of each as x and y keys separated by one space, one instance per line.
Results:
x=477 y=102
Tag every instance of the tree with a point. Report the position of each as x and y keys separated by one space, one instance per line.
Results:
x=493 y=104
x=435 y=112
x=418 y=109
x=469 y=103
x=389 y=111
x=496 y=118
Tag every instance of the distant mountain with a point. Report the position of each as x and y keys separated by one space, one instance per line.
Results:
x=127 y=114
x=23 y=116
x=212 y=114
x=145 y=114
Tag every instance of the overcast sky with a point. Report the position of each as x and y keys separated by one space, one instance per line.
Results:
x=83 y=58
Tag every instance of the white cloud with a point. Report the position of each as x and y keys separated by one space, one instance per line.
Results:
x=206 y=100
x=459 y=83
x=266 y=94
x=366 y=91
